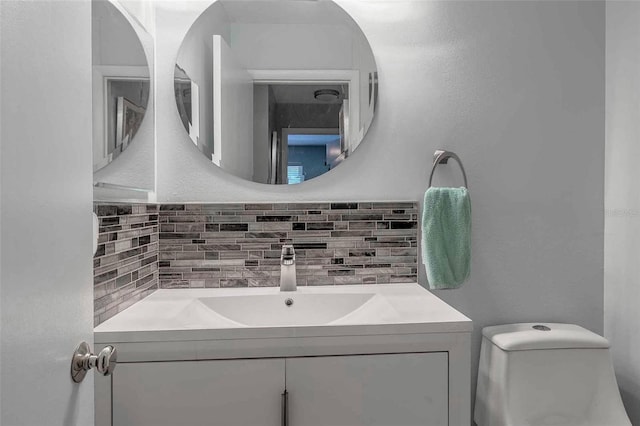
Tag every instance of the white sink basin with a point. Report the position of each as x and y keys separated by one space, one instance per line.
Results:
x=288 y=309
x=261 y=312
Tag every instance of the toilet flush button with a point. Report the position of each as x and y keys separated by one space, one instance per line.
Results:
x=541 y=327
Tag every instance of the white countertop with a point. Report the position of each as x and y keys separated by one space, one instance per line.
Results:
x=174 y=315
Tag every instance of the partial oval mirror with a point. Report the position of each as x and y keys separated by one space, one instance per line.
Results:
x=276 y=91
x=120 y=82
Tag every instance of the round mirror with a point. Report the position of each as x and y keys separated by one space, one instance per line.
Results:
x=120 y=82
x=276 y=91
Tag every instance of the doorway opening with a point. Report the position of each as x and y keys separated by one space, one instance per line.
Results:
x=300 y=129
x=311 y=152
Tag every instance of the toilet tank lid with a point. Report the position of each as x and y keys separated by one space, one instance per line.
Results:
x=531 y=336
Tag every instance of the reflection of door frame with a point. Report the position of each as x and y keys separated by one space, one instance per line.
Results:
x=102 y=74
x=193 y=124
x=352 y=77
x=305 y=131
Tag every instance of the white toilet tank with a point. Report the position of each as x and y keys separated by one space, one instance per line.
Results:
x=541 y=374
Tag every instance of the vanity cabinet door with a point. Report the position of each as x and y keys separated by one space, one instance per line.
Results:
x=371 y=390
x=199 y=393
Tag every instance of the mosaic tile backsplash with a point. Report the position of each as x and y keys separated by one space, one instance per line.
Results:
x=125 y=267
x=144 y=247
x=238 y=245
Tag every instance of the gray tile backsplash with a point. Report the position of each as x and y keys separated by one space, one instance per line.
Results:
x=125 y=266
x=238 y=245
x=145 y=247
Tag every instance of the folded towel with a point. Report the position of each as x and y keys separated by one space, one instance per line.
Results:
x=446 y=236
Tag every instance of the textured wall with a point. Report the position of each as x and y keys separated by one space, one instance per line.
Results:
x=238 y=245
x=622 y=199
x=125 y=266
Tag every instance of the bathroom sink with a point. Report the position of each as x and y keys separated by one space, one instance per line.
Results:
x=286 y=309
x=259 y=312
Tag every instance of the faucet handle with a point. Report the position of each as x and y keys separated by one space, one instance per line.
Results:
x=287 y=249
x=288 y=254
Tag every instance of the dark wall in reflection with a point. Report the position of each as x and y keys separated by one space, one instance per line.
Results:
x=313 y=158
x=307 y=116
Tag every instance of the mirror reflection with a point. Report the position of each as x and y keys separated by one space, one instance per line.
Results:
x=275 y=91
x=120 y=82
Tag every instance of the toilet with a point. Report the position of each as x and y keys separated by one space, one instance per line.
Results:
x=541 y=374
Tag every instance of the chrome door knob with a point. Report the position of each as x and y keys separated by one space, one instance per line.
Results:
x=83 y=360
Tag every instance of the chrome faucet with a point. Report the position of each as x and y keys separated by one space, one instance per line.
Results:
x=288 y=268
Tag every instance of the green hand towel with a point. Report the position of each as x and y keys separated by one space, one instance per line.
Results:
x=446 y=236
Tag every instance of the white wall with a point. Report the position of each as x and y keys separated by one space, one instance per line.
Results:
x=143 y=11
x=46 y=296
x=622 y=199
x=516 y=89
x=292 y=46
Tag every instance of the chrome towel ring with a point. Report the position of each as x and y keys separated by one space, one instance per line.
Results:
x=442 y=157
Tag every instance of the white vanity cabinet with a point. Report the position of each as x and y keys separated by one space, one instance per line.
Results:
x=372 y=390
x=406 y=389
x=401 y=357
x=199 y=393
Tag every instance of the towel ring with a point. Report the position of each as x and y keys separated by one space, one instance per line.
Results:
x=441 y=157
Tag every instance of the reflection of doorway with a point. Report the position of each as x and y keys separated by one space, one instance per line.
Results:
x=310 y=152
x=285 y=108
x=136 y=92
